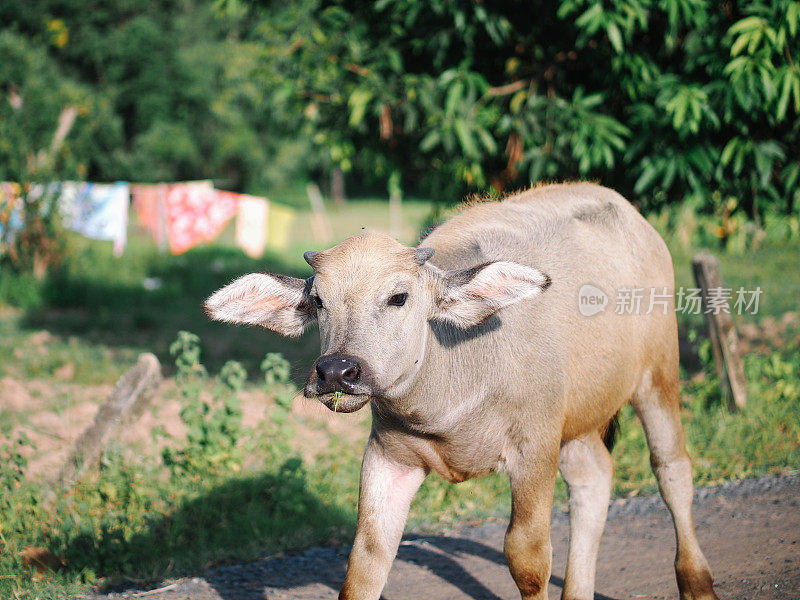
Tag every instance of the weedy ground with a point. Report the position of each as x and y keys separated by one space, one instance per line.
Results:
x=229 y=465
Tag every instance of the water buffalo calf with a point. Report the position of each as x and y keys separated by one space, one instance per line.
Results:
x=475 y=355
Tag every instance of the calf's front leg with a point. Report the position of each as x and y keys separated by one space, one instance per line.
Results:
x=527 y=544
x=387 y=488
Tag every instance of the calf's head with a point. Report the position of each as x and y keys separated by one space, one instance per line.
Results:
x=373 y=299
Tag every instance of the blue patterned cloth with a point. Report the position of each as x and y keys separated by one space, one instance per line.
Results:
x=97 y=211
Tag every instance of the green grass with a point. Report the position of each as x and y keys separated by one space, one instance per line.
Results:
x=763 y=438
x=33 y=355
x=773 y=268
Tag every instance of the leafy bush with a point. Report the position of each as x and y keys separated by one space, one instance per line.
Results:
x=36 y=91
x=19 y=289
x=213 y=428
x=50 y=127
x=144 y=518
x=684 y=226
x=660 y=99
x=34 y=239
x=763 y=438
x=163 y=92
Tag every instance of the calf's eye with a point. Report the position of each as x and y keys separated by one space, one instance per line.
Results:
x=317 y=301
x=398 y=299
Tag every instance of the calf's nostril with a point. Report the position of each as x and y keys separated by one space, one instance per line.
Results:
x=350 y=373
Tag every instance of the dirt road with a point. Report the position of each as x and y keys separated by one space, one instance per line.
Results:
x=750 y=532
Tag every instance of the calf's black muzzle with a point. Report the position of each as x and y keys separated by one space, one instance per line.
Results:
x=337 y=373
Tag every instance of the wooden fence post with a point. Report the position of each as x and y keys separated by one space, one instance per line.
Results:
x=320 y=226
x=724 y=340
x=130 y=397
x=337 y=186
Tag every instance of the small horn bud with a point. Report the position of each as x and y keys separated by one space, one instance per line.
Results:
x=422 y=255
x=309 y=256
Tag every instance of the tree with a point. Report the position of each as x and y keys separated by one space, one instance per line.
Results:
x=167 y=91
x=662 y=99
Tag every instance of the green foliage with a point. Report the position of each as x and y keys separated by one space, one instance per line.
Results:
x=277 y=376
x=34 y=239
x=164 y=91
x=19 y=289
x=144 y=518
x=722 y=228
x=763 y=438
x=213 y=426
x=660 y=99
x=35 y=91
x=768 y=438
x=276 y=369
x=37 y=98
x=13 y=463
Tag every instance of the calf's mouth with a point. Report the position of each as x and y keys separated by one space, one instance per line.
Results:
x=344 y=403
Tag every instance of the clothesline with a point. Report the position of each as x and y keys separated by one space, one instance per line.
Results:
x=176 y=215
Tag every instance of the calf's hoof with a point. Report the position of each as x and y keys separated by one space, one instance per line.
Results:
x=696 y=585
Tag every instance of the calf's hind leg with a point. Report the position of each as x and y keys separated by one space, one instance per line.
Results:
x=657 y=404
x=587 y=468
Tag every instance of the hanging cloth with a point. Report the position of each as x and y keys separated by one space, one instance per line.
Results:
x=279 y=227
x=97 y=211
x=12 y=218
x=251 y=225
x=149 y=203
x=196 y=213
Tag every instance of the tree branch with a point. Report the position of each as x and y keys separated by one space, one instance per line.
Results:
x=510 y=88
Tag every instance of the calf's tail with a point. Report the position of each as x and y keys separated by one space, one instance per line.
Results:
x=609 y=432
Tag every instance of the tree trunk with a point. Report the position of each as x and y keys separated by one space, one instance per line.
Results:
x=337 y=186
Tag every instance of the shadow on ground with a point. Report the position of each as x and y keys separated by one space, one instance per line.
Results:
x=325 y=567
x=240 y=519
x=253 y=517
x=116 y=309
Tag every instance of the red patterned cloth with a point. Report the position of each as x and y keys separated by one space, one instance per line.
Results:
x=196 y=213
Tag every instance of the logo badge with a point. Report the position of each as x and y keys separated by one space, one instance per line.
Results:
x=591 y=300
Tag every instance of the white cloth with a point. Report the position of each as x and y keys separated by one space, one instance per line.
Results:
x=251 y=225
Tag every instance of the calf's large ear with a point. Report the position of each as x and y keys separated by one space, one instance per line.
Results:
x=275 y=302
x=467 y=297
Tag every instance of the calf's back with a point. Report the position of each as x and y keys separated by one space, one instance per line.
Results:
x=543 y=359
